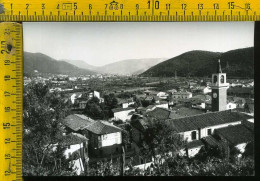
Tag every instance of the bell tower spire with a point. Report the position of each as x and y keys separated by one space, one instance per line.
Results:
x=219 y=67
x=219 y=88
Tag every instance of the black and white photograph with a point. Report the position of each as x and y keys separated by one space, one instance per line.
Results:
x=138 y=99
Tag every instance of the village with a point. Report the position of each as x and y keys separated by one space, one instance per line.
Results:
x=206 y=112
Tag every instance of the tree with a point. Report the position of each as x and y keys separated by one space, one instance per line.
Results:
x=126 y=134
x=145 y=103
x=180 y=166
x=138 y=102
x=42 y=114
x=93 y=109
x=165 y=143
x=110 y=102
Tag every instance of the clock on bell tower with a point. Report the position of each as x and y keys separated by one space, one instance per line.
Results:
x=219 y=88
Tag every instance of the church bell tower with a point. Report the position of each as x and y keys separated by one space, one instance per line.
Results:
x=219 y=88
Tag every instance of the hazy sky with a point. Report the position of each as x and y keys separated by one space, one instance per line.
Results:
x=103 y=43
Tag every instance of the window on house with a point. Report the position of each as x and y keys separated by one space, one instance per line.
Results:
x=193 y=135
x=209 y=132
x=229 y=106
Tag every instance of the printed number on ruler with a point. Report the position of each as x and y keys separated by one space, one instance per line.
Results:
x=11 y=101
x=130 y=10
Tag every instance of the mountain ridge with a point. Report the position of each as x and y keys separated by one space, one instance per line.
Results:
x=238 y=62
x=48 y=64
x=122 y=67
x=129 y=66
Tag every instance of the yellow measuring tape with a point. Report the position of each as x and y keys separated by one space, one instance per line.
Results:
x=11 y=80
x=11 y=106
x=130 y=10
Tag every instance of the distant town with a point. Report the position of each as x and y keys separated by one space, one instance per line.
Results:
x=110 y=118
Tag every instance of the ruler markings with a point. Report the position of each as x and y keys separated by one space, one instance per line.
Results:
x=14 y=132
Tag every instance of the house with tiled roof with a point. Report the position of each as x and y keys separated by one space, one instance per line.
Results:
x=77 y=150
x=162 y=104
x=76 y=122
x=141 y=110
x=239 y=101
x=162 y=114
x=139 y=125
x=237 y=136
x=172 y=101
x=196 y=127
x=74 y=143
x=104 y=138
x=191 y=148
x=201 y=97
x=123 y=113
x=161 y=95
x=198 y=103
x=183 y=111
x=231 y=105
x=249 y=107
x=83 y=104
x=75 y=96
x=211 y=142
x=125 y=103
x=171 y=91
x=182 y=95
x=150 y=107
x=203 y=89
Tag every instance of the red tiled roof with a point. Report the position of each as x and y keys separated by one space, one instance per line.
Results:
x=194 y=144
x=185 y=111
x=160 y=113
x=73 y=139
x=102 y=127
x=162 y=102
x=210 y=140
x=121 y=101
x=150 y=107
x=77 y=121
x=201 y=97
x=148 y=98
x=205 y=120
x=122 y=109
x=163 y=113
x=197 y=101
x=140 y=124
x=249 y=125
x=236 y=134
